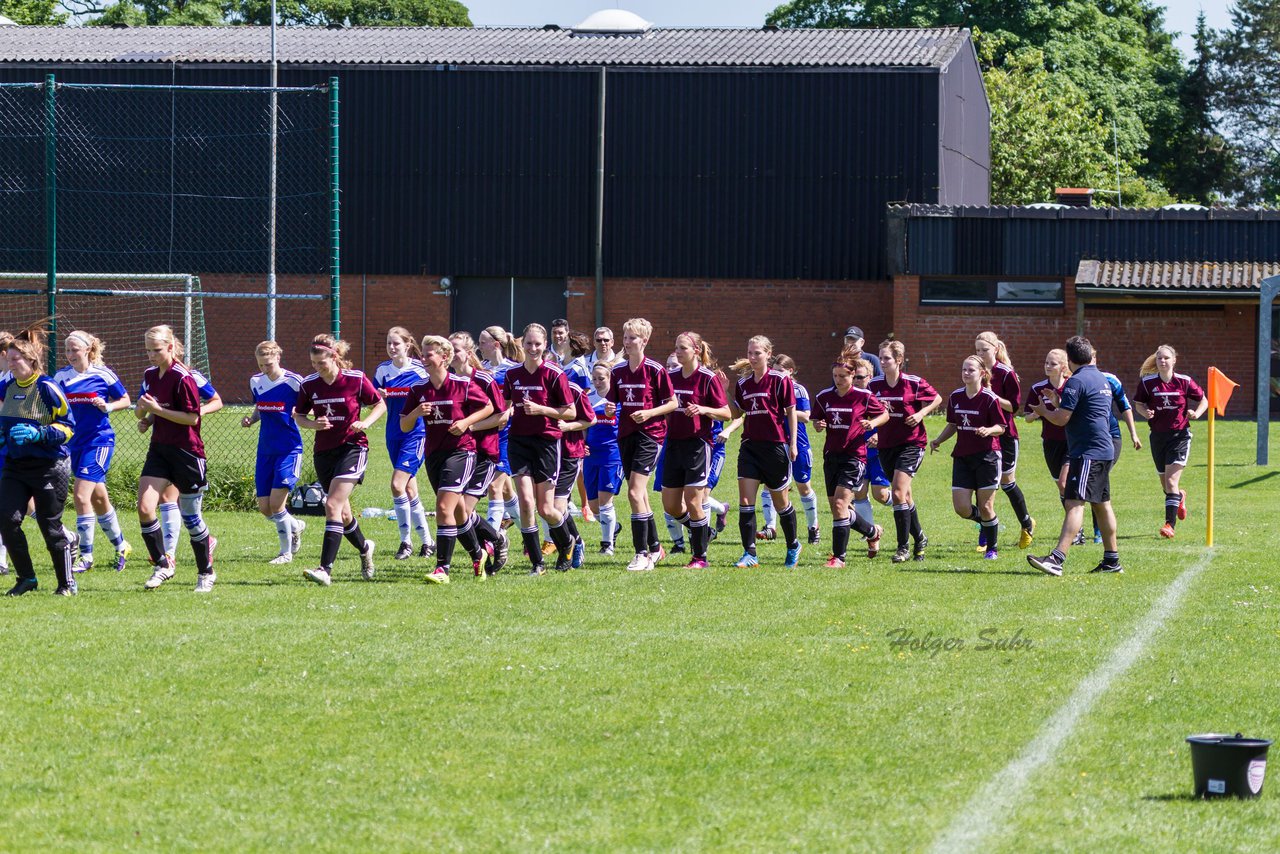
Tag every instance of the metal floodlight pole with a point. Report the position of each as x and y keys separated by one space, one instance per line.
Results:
x=599 y=206
x=335 y=225
x=271 y=260
x=51 y=211
x=1269 y=286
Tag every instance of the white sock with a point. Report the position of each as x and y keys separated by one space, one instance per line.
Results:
x=766 y=505
x=84 y=527
x=715 y=505
x=511 y=508
x=810 y=504
x=170 y=526
x=862 y=506
x=418 y=514
x=674 y=528
x=403 y=520
x=496 y=511
x=4 y=556
x=284 y=530
x=110 y=524
x=608 y=518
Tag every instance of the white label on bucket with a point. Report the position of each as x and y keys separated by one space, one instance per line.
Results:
x=1217 y=787
x=1257 y=768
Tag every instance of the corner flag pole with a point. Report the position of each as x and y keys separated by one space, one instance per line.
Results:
x=1208 y=531
x=1220 y=388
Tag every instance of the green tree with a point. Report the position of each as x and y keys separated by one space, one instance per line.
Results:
x=355 y=13
x=1248 y=96
x=41 y=13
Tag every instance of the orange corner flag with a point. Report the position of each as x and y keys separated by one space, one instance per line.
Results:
x=1220 y=388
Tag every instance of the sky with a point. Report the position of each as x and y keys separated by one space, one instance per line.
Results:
x=1180 y=16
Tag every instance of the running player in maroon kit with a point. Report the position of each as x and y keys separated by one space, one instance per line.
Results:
x=573 y=450
x=686 y=464
x=640 y=394
x=908 y=399
x=846 y=414
x=336 y=393
x=976 y=417
x=171 y=400
x=1056 y=371
x=488 y=451
x=539 y=399
x=1170 y=402
x=765 y=400
x=1004 y=382
x=448 y=404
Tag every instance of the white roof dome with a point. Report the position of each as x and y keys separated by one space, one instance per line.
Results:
x=613 y=21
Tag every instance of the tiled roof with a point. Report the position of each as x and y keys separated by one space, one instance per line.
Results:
x=904 y=48
x=1175 y=275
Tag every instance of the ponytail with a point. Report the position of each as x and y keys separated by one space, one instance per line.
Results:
x=335 y=348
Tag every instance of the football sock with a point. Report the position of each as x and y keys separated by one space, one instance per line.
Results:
x=418 y=515
x=810 y=504
x=902 y=523
x=84 y=527
x=170 y=525
x=446 y=535
x=640 y=532
x=991 y=527
x=862 y=507
x=354 y=535
x=403 y=522
x=747 y=527
x=532 y=545
x=608 y=518
x=284 y=530
x=329 y=547
x=766 y=507
x=787 y=520
x=1019 y=503
x=839 y=537
x=1171 y=502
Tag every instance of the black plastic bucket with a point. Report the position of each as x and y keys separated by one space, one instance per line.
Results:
x=1228 y=765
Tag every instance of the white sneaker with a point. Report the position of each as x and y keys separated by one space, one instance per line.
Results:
x=295 y=537
x=204 y=583
x=163 y=572
x=319 y=575
x=640 y=563
x=366 y=560
x=283 y=557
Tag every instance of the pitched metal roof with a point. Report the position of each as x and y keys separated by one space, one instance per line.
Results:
x=1177 y=276
x=900 y=48
x=1054 y=211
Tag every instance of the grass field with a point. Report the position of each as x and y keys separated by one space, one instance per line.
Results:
x=716 y=709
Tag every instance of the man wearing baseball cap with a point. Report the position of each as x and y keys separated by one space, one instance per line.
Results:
x=853 y=340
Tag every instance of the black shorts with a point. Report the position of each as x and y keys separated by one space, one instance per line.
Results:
x=450 y=471
x=535 y=456
x=570 y=467
x=345 y=462
x=841 y=471
x=686 y=462
x=180 y=467
x=905 y=458
x=1008 y=453
x=976 y=471
x=766 y=462
x=1170 y=448
x=639 y=453
x=1088 y=480
x=1055 y=456
x=481 y=476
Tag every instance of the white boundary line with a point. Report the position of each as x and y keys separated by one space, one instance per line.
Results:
x=985 y=813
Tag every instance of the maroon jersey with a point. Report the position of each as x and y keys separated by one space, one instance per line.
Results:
x=764 y=405
x=548 y=386
x=575 y=441
x=844 y=416
x=908 y=397
x=704 y=388
x=970 y=413
x=488 y=441
x=455 y=399
x=176 y=391
x=340 y=402
x=1048 y=431
x=1169 y=401
x=644 y=388
x=1004 y=382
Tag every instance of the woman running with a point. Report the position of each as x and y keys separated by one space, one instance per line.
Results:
x=975 y=415
x=1054 y=438
x=1170 y=402
x=94 y=391
x=538 y=398
x=602 y=469
x=275 y=393
x=449 y=404
x=908 y=399
x=847 y=414
x=170 y=404
x=488 y=454
x=500 y=351
x=765 y=400
x=35 y=426
x=699 y=388
x=573 y=449
x=336 y=393
x=1004 y=382
x=393 y=379
x=875 y=485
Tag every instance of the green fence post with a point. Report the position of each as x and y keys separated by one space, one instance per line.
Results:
x=335 y=275
x=51 y=213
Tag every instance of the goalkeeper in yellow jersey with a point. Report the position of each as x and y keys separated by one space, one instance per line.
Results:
x=35 y=425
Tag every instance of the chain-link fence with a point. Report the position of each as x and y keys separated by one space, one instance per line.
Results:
x=129 y=205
